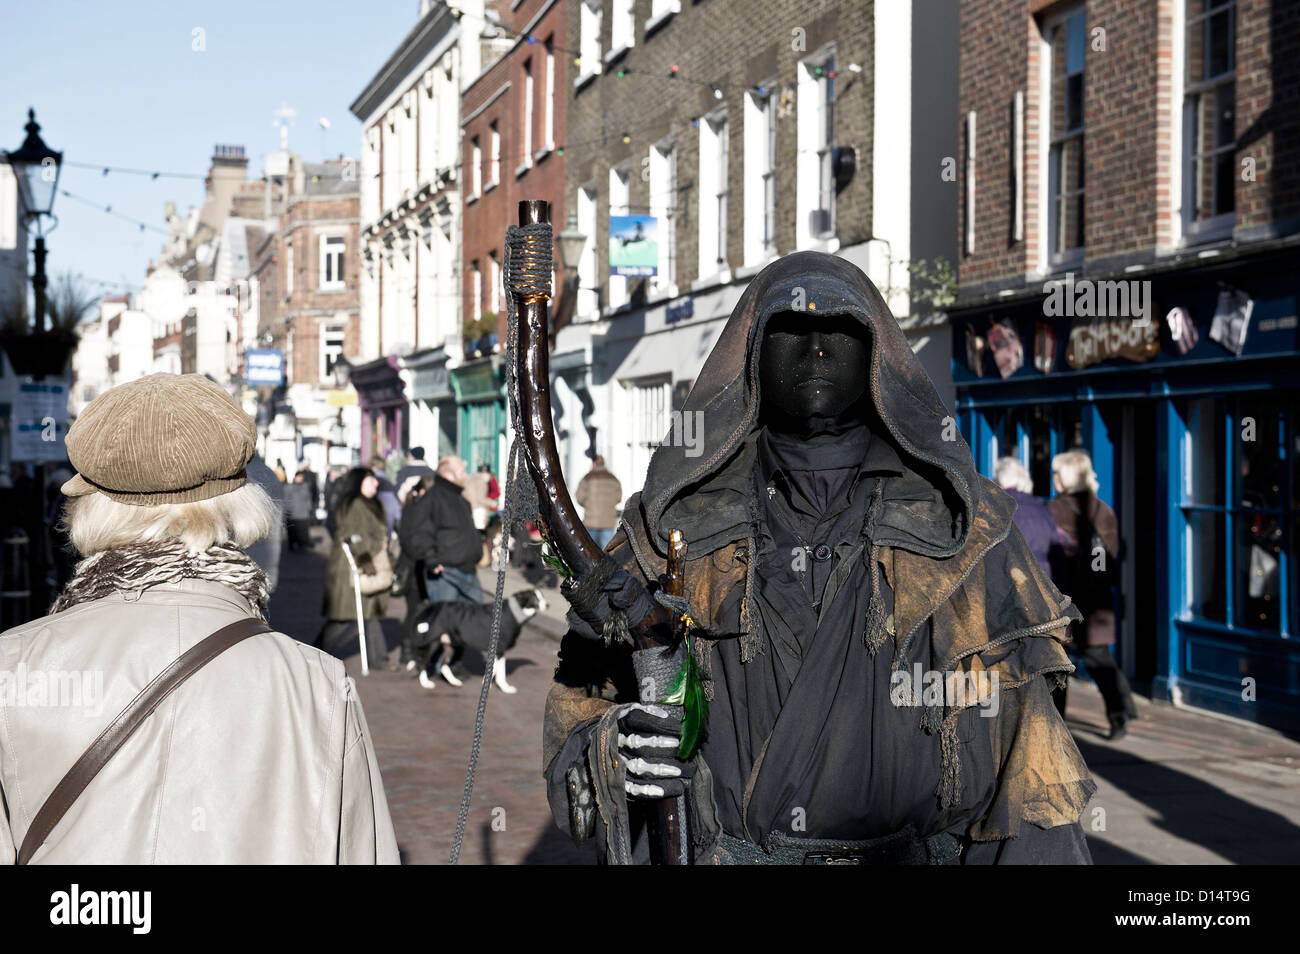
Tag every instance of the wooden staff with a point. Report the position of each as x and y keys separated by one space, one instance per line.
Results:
x=564 y=531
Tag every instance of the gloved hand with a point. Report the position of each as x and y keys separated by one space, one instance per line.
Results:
x=648 y=736
x=621 y=592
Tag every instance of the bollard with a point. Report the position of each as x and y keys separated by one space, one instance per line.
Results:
x=16 y=594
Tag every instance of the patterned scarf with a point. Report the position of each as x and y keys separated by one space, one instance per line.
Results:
x=143 y=565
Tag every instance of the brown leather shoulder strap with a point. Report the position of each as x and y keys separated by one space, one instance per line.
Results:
x=128 y=720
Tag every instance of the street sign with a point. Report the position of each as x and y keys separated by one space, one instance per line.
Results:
x=40 y=422
x=633 y=245
x=264 y=366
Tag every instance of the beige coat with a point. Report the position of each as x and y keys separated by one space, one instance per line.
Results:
x=262 y=756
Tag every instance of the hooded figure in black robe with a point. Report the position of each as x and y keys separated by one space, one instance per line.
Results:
x=877 y=641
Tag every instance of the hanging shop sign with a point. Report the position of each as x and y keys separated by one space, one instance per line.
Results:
x=1094 y=340
x=264 y=366
x=39 y=422
x=1231 y=319
x=633 y=245
x=1008 y=353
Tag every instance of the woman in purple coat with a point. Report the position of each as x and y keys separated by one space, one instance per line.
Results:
x=1032 y=517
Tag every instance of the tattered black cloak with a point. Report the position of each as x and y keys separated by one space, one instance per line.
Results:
x=941 y=578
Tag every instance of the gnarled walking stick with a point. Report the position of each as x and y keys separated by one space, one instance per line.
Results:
x=528 y=279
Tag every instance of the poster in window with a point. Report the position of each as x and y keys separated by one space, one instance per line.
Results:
x=1182 y=330
x=1231 y=319
x=1008 y=352
x=1044 y=347
x=633 y=245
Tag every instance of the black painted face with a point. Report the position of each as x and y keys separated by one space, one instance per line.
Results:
x=813 y=372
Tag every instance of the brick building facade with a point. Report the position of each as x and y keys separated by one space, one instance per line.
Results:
x=1130 y=230
x=512 y=136
x=744 y=132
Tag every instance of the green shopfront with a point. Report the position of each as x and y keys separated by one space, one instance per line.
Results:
x=479 y=386
x=1194 y=432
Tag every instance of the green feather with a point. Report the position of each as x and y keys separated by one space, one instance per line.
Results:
x=687 y=691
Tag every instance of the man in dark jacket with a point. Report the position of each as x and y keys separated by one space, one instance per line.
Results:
x=440 y=534
x=847 y=572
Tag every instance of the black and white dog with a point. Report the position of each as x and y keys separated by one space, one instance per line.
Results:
x=444 y=630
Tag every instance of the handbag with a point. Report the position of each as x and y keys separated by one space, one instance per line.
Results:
x=124 y=725
x=382 y=577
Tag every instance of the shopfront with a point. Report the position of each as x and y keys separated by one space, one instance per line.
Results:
x=433 y=411
x=479 y=386
x=1191 y=417
x=381 y=396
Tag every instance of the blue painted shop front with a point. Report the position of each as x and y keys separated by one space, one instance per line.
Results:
x=1196 y=449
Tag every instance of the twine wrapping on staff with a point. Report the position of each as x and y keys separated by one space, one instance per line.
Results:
x=527 y=274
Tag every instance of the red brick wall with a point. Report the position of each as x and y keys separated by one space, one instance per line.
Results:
x=485 y=220
x=309 y=307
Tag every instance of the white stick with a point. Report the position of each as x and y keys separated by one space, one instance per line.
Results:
x=361 y=623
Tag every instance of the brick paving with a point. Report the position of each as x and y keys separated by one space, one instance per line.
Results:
x=1182 y=787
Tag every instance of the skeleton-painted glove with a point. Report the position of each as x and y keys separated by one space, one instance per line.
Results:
x=648 y=736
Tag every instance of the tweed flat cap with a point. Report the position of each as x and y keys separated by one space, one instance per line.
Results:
x=166 y=438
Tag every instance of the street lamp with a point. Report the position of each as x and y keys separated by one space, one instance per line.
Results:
x=37 y=167
x=572 y=242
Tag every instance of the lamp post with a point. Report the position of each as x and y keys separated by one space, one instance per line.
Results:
x=36 y=351
x=37 y=167
x=572 y=242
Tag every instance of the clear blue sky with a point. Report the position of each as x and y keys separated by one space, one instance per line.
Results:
x=119 y=83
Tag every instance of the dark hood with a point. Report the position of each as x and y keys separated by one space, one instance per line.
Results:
x=709 y=496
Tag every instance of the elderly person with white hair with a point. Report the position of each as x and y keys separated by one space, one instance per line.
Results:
x=199 y=734
x=1086 y=567
x=1032 y=517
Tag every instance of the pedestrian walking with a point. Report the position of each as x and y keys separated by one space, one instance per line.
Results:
x=261 y=754
x=266 y=552
x=1086 y=566
x=298 y=509
x=483 y=506
x=441 y=535
x=359 y=523
x=414 y=468
x=1032 y=518
x=313 y=484
x=387 y=493
x=600 y=496
x=333 y=495
x=409 y=579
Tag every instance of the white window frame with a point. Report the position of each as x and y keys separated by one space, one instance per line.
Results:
x=760 y=176
x=815 y=179
x=476 y=293
x=1059 y=260
x=494 y=160
x=619 y=197
x=494 y=277
x=663 y=206
x=590 y=16
x=333 y=339
x=622 y=28
x=714 y=137
x=1213 y=227
x=527 y=119
x=476 y=168
x=548 y=141
x=326 y=253
x=660 y=12
x=588 y=205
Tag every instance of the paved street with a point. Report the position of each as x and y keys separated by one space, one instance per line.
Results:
x=1182 y=787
